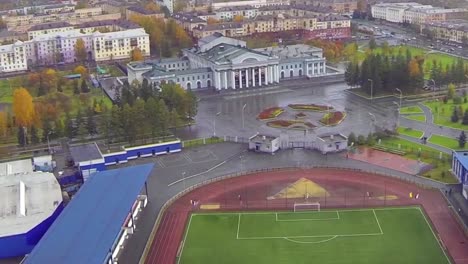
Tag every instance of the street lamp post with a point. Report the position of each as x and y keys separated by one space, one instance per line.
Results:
x=243 y=108
x=401 y=95
x=371 y=88
x=48 y=142
x=372 y=116
x=433 y=88
x=399 y=107
x=214 y=124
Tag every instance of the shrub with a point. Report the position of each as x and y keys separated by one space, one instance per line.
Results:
x=351 y=138
x=445 y=99
x=457 y=100
x=361 y=140
x=370 y=140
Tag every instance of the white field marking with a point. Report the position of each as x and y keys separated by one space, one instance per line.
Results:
x=308 y=219
x=318 y=236
x=310 y=242
x=438 y=242
x=183 y=241
x=187 y=157
x=238 y=226
x=198 y=174
x=378 y=223
x=343 y=210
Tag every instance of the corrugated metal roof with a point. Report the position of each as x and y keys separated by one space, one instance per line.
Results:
x=87 y=228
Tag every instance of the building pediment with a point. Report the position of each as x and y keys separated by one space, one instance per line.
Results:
x=249 y=57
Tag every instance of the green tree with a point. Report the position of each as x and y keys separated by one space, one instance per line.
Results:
x=76 y=88
x=351 y=138
x=451 y=91
x=462 y=139
x=140 y=118
x=192 y=104
x=116 y=121
x=372 y=44
x=21 y=135
x=90 y=122
x=80 y=50
x=59 y=129
x=33 y=134
x=465 y=118
x=46 y=130
x=79 y=119
x=454 y=118
x=84 y=86
x=69 y=130
x=128 y=123
x=82 y=131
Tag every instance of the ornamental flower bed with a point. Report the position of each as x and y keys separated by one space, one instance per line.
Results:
x=300 y=115
x=310 y=107
x=270 y=113
x=290 y=124
x=332 y=118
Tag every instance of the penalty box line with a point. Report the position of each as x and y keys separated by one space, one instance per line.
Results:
x=312 y=236
x=306 y=219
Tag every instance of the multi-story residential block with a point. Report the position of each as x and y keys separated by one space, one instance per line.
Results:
x=105 y=26
x=254 y=3
x=338 y=6
x=451 y=30
x=13 y=57
x=414 y=13
x=119 y=45
x=25 y=22
x=188 y=20
x=313 y=26
x=229 y=12
x=43 y=29
x=141 y=11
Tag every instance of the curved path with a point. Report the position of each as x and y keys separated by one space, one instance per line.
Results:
x=347 y=188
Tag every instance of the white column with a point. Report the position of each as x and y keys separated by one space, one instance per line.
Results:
x=313 y=68
x=233 y=79
x=225 y=80
x=247 y=78
x=259 y=76
x=307 y=69
x=253 y=77
x=240 y=79
x=278 y=74
x=266 y=75
x=218 y=81
x=270 y=68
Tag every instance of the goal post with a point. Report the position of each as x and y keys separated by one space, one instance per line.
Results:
x=306 y=207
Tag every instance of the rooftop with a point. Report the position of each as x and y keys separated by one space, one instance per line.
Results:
x=462 y=156
x=142 y=10
x=455 y=24
x=330 y=138
x=292 y=51
x=235 y=8
x=15 y=167
x=50 y=26
x=125 y=24
x=27 y=200
x=87 y=228
x=262 y=138
x=85 y=152
x=188 y=17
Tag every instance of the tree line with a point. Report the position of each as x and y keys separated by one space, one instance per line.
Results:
x=383 y=72
x=143 y=112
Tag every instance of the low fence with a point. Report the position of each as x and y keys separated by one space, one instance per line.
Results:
x=351 y=200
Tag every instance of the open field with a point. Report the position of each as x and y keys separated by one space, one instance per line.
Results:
x=410 y=132
x=411 y=110
x=443 y=141
x=387 y=235
x=443 y=112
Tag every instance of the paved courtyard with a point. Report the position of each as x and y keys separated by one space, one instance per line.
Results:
x=229 y=106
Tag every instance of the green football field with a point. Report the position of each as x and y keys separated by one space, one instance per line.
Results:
x=384 y=235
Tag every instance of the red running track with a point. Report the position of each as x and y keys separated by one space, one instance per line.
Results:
x=347 y=188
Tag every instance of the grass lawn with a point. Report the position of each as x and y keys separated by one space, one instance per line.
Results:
x=443 y=112
x=410 y=132
x=420 y=118
x=443 y=141
x=392 y=235
x=427 y=155
x=411 y=110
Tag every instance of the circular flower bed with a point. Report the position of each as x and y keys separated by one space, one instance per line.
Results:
x=270 y=113
x=310 y=107
x=332 y=118
x=293 y=124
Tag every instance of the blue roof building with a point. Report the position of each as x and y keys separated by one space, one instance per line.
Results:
x=460 y=169
x=93 y=226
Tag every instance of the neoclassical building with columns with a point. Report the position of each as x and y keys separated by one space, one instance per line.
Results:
x=220 y=63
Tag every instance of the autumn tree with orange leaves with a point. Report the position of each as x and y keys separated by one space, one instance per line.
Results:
x=23 y=107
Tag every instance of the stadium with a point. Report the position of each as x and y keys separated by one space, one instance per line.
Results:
x=292 y=215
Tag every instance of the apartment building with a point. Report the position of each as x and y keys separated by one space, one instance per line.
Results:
x=25 y=22
x=47 y=28
x=414 y=13
x=451 y=30
x=13 y=57
x=338 y=6
x=330 y=26
x=188 y=20
x=141 y=11
x=119 y=45
x=254 y=3
x=229 y=12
